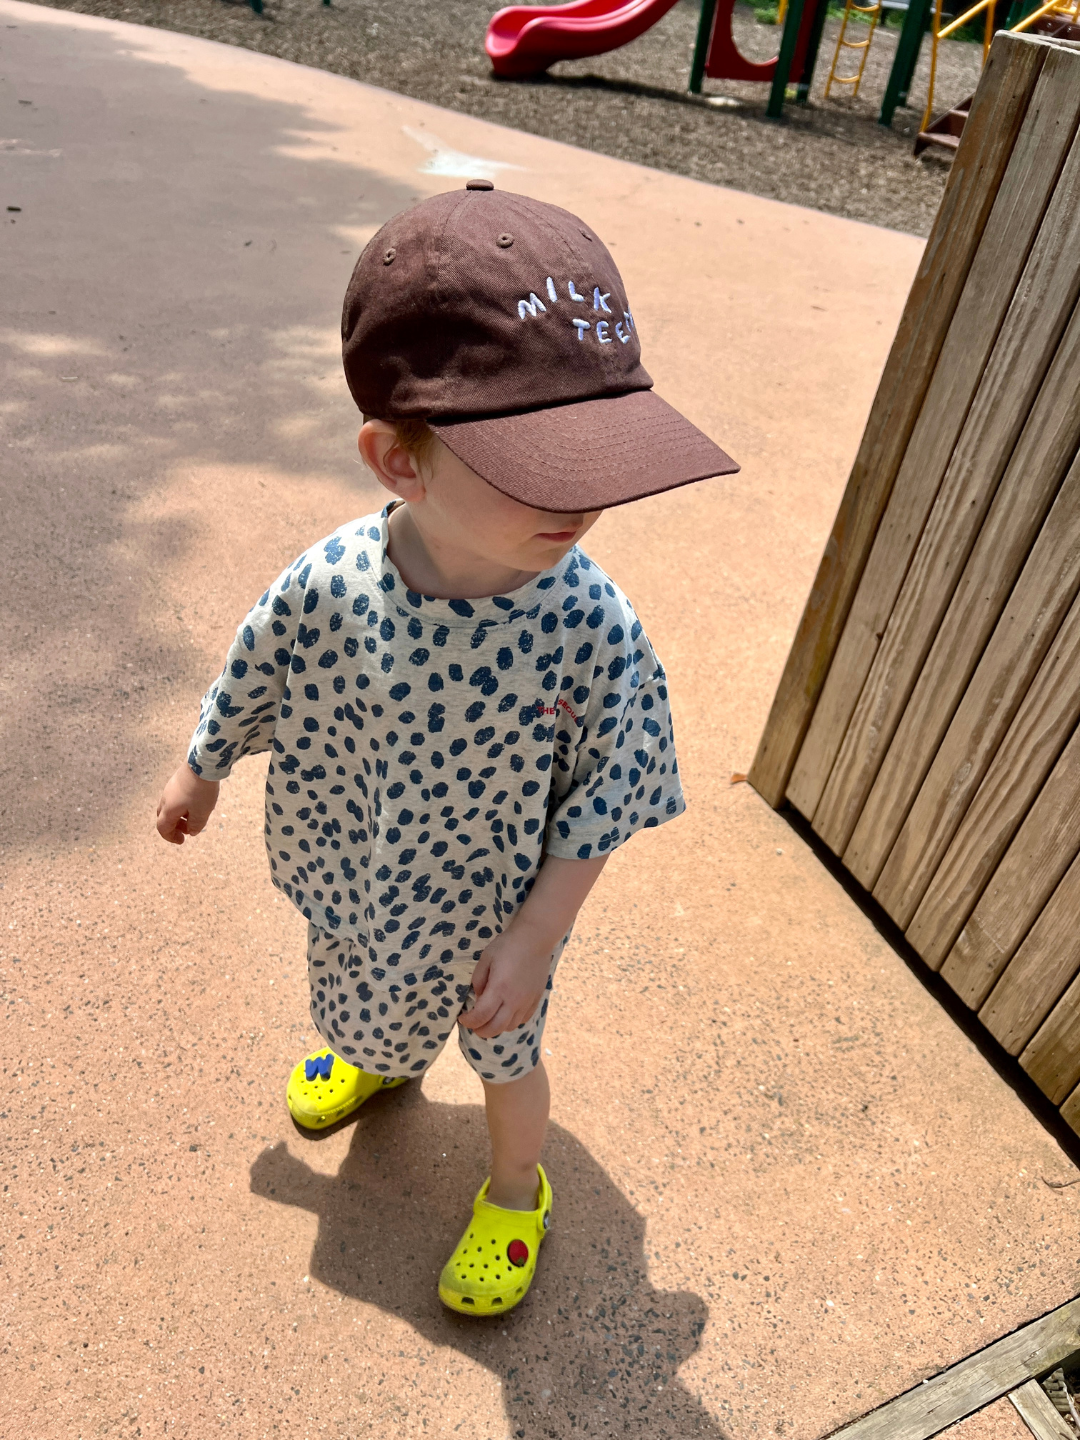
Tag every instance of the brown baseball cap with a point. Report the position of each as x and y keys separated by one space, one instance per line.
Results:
x=503 y=322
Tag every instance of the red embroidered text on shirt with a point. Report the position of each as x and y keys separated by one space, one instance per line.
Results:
x=560 y=704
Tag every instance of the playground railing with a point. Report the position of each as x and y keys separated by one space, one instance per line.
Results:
x=1053 y=7
x=938 y=32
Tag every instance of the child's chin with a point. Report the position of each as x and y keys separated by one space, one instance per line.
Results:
x=552 y=551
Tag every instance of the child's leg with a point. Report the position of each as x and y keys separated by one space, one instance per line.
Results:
x=517 y=1116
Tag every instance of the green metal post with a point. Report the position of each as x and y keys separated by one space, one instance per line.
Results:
x=905 y=60
x=701 y=48
x=909 y=69
x=802 y=92
x=775 y=108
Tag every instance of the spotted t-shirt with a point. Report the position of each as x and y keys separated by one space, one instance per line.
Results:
x=427 y=753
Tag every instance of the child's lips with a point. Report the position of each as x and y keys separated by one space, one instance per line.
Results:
x=557 y=535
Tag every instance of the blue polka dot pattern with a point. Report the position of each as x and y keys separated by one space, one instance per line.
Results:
x=398 y=1027
x=425 y=751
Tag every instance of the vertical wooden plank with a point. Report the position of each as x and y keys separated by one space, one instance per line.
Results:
x=1021 y=356
x=1070 y=1111
x=978 y=931
x=1036 y=1409
x=1052 y=1059
x=966 y=696
x=1047 y=960
x=1008 y=234
x=998 y=110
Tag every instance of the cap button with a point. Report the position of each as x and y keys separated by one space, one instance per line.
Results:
x=479 y=185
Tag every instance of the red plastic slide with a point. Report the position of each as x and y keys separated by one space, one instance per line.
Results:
x=525 y=39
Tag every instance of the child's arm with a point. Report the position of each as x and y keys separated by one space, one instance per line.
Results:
x=510 y=976
x=185 y=805
x=240 y=710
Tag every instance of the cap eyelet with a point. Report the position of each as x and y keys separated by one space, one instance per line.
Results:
x=388 y=258
x=504 y=242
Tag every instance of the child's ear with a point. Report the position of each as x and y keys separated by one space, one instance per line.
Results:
x=389 y=461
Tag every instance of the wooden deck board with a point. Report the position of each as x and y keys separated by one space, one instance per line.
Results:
x=1021 y=876
x=1036 y=1409
x=992 y=127
x=995 y=272
x=979 y=707
x=1052 y=1058
x=1033 y=981
x=1070 y=1111
x=1018 y=364
x=1011 y=526
x=974 y=1382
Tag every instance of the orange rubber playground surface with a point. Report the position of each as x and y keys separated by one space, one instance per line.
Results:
x=788 y=1188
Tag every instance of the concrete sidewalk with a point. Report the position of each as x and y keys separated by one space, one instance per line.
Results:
x=791 y=1190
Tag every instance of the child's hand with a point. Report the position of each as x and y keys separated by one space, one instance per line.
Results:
x=185 y=805
x=512 y=973
x=508 y=982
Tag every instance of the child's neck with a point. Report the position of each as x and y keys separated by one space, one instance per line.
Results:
x=432 y=566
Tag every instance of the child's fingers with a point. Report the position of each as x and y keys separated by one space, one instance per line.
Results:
x=170 y=826
x=505 y=1017
x=499 y=1024
x=480 y=974
x=483 y=1010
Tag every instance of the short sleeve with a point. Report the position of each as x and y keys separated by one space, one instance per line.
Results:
x=626 y=777
x=240 y=710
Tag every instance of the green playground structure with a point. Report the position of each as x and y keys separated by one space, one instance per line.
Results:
x=715 y=56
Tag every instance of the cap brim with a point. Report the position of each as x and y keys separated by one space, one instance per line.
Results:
x=589 y=455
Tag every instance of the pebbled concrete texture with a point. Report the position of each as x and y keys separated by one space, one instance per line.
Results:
x=788 y=1188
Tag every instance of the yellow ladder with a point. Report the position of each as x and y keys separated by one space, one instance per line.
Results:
x=873 y=14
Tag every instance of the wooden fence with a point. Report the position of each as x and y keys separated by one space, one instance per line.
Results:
x=927 y=723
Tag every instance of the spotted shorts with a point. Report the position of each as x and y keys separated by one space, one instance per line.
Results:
x=396 y=1023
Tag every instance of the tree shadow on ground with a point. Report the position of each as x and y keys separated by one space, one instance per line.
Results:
x=593 y=1348
x=171 y=351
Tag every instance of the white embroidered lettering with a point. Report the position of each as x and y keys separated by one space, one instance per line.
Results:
x=582 y=326
x=619 y=332
x=531 y=305
x=552 y=291
x=601 y=332
x=599 y=302
x=629 y=320
x=572 y=292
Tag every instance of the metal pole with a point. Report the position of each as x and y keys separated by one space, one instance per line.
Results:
x=775 y=108
x=909 y=71
x=813 y=45
x=907 y=54
x=701 y=48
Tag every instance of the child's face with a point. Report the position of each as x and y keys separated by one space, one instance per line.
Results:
x=453 y=507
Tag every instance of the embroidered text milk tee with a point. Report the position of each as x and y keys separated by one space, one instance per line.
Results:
x=426 y=753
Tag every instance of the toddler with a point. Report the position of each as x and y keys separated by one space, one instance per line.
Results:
x=464 y=715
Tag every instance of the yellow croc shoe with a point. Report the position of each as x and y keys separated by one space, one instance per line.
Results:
x=323 y=1089
x=493 y=1266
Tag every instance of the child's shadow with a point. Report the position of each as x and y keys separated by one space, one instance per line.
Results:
x=592 y=1347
